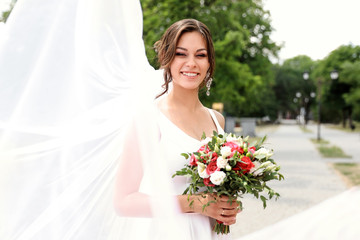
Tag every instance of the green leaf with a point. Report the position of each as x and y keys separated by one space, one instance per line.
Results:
x=215 y=133
x=263 y=199
x=191 y=203
x=185 y=155
x=197 y=154
x=203 y=136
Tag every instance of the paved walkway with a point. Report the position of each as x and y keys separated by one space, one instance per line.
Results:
x=309 y=179
x=349 y=142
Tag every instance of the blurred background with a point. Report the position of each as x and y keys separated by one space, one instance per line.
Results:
x=288 y=69
x=274 y=57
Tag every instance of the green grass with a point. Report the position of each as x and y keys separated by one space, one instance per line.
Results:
x=347 y=129
x=305 y=129
x=349 y=171
x=328 y=151
x=322 y=141
x=332 y=152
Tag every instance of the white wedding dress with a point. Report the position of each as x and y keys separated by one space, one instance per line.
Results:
x=172 y=141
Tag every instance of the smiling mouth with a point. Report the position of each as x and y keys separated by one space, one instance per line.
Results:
x=190 y=74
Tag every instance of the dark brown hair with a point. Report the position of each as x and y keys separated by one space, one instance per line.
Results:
x=166 y=47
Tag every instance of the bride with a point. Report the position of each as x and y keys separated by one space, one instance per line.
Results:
x=186 y=54
x=69 y=86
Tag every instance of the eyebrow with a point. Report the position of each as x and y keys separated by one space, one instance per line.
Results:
x=199 y=50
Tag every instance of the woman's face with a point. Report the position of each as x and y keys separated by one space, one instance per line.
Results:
x=190 y=64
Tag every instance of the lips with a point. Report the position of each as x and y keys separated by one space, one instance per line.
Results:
x=190 y=74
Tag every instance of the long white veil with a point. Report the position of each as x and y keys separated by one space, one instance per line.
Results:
x=72 y=72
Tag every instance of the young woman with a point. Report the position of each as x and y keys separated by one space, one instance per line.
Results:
x=186 y=55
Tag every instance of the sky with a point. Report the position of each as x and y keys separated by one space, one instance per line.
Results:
x=313 y=27
x=307 y=27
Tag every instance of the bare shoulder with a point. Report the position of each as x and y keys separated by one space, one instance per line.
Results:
x=220 y=118
x=161 y=105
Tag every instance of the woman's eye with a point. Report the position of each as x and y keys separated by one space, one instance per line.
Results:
x=179 y=54
x=201 y=55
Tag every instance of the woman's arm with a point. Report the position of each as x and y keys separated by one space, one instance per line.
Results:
x=128 y=201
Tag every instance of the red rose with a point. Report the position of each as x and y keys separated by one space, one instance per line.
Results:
x=214 y=157
x=252 y=149
x=211 y=168
x=193 y=160
x=245 y=165
x=234 y=147
x=207 y=182
x=204 y=148
x=204 y=159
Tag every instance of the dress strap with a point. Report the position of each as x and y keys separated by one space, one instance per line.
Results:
x=217 y=124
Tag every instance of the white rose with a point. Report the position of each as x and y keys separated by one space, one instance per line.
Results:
x=217 y=177
x=228 y=167
x=202 y=170
x=263 y=153
x=231 y=139
x=257 y=169
x=234 y=139
x=258 y=172
x=225 y=151
x=270 y=168
x=265 y=164
x=221 y=162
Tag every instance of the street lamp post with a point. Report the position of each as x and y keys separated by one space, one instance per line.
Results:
x=306 y=76
x=319 y=82
x=333 y=75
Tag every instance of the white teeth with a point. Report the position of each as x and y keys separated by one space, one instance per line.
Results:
x=190 y=74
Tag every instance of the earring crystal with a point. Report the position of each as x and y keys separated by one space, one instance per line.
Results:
x=208 y=85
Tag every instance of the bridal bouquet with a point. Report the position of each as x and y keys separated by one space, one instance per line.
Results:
x=228 y=165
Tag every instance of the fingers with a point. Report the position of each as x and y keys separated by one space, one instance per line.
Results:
x=228 y=217
x=221 y=208
x=229 y=212
x=226 y=203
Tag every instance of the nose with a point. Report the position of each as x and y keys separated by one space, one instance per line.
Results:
x=191 y=62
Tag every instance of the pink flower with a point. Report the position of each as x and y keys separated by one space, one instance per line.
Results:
x=211 y=168
x=252 y=149
x=204 y=148
x=208 y=183
x=234 y=147
x=214 y=157
x=193 y=160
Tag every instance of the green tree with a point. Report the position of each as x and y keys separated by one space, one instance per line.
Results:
x=241 y=33
x=336 y=91
x=351 y=75
x=289 y=83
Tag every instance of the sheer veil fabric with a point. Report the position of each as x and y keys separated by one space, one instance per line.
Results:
x=73 y=75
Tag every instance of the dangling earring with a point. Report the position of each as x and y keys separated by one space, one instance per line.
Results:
x=208 y=85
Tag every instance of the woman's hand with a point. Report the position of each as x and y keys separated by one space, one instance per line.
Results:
x=217 y=207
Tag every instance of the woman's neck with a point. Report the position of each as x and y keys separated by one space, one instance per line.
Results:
x=183 y=99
